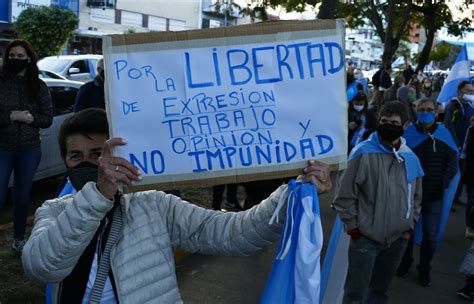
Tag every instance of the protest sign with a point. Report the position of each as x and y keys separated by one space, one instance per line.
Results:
x=228 y=105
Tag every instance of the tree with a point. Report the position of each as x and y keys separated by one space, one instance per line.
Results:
x=389 y=18
x=433 y=16
x=441 y=52
x=47 y=28
x=327 y=10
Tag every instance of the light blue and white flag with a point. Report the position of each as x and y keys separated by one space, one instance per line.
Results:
x=296 y=272
x=458 y=73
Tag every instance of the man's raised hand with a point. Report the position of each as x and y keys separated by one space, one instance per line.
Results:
x=114 y=170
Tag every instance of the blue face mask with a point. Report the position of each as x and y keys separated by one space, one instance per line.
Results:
x=426 y=118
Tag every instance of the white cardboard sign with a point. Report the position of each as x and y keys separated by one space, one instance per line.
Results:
x=221 y=109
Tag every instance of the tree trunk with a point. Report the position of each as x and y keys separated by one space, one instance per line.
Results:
x=430 y=34
x=327 y=10
x=387 y=45
x=391 y=41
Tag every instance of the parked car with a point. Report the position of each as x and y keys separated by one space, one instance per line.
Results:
x=63 y=94
x=74 y=67
x=52 y=75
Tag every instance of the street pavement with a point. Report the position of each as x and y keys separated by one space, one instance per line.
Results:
x=209 y=279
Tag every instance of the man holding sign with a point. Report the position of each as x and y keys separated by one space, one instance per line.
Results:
x=104 y=247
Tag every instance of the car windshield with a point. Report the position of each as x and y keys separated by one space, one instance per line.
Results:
x=53 y=64
x=48 y=74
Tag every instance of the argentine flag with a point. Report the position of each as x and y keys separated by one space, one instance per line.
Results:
x=458 y=73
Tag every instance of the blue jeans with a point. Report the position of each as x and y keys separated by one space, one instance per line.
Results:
x=371 y=269
x=23 y=164
x=431 y=214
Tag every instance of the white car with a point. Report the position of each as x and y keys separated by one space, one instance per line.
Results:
x=63 y=95
x=51 y=75
x=74 y=67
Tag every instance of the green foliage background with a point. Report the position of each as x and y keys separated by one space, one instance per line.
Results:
x=47 y=28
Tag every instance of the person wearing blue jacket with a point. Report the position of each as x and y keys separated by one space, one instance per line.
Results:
x=437 y=152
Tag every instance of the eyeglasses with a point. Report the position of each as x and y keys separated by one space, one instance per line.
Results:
x=17 y=56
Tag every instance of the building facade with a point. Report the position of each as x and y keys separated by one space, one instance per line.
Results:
x=103 y=17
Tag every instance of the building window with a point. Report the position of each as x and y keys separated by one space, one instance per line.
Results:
x=101 y=3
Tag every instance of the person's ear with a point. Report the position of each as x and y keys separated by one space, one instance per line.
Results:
x=406 y=124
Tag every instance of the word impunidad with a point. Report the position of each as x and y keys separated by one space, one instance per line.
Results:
x=235 y=157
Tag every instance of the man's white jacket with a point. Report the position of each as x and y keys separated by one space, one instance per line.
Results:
x=154 y=224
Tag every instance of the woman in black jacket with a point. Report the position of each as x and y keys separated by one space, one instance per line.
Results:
x=25 y=107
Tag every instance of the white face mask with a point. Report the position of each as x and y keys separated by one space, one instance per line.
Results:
x=468 y=97
x=358 y=108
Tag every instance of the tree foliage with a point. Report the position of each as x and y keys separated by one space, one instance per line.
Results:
x=389 y=18
x=392 y=19
x=47 y=28
x=433 y=15
x=441 y=52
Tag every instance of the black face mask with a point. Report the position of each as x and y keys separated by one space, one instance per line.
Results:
x=82 y=174
x=15 y=66
x=390 y=132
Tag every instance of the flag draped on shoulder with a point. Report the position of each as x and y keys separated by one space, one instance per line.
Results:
x=404 y=154
x=295 y=275
x=459 y=72
x=67 y=189
x=414 y=138
x=334 y=270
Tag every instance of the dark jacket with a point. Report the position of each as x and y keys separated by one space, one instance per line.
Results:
x=439 y=166
x=391 y=93
x=371 y=122
x=90 y=95
x=359 y=118
x=457 y=119
x=382 y=79
x=468 y=170
x=14 y=96
x=408 y=74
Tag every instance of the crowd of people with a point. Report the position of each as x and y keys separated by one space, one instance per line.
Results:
x=406 y=153
x=441 y=136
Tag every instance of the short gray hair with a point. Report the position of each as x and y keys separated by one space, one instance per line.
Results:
x=425 y=100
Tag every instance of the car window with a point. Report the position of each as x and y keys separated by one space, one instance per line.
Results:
x=53 y=64
x=50 y=75
x=82 y=65
x=63 y=99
